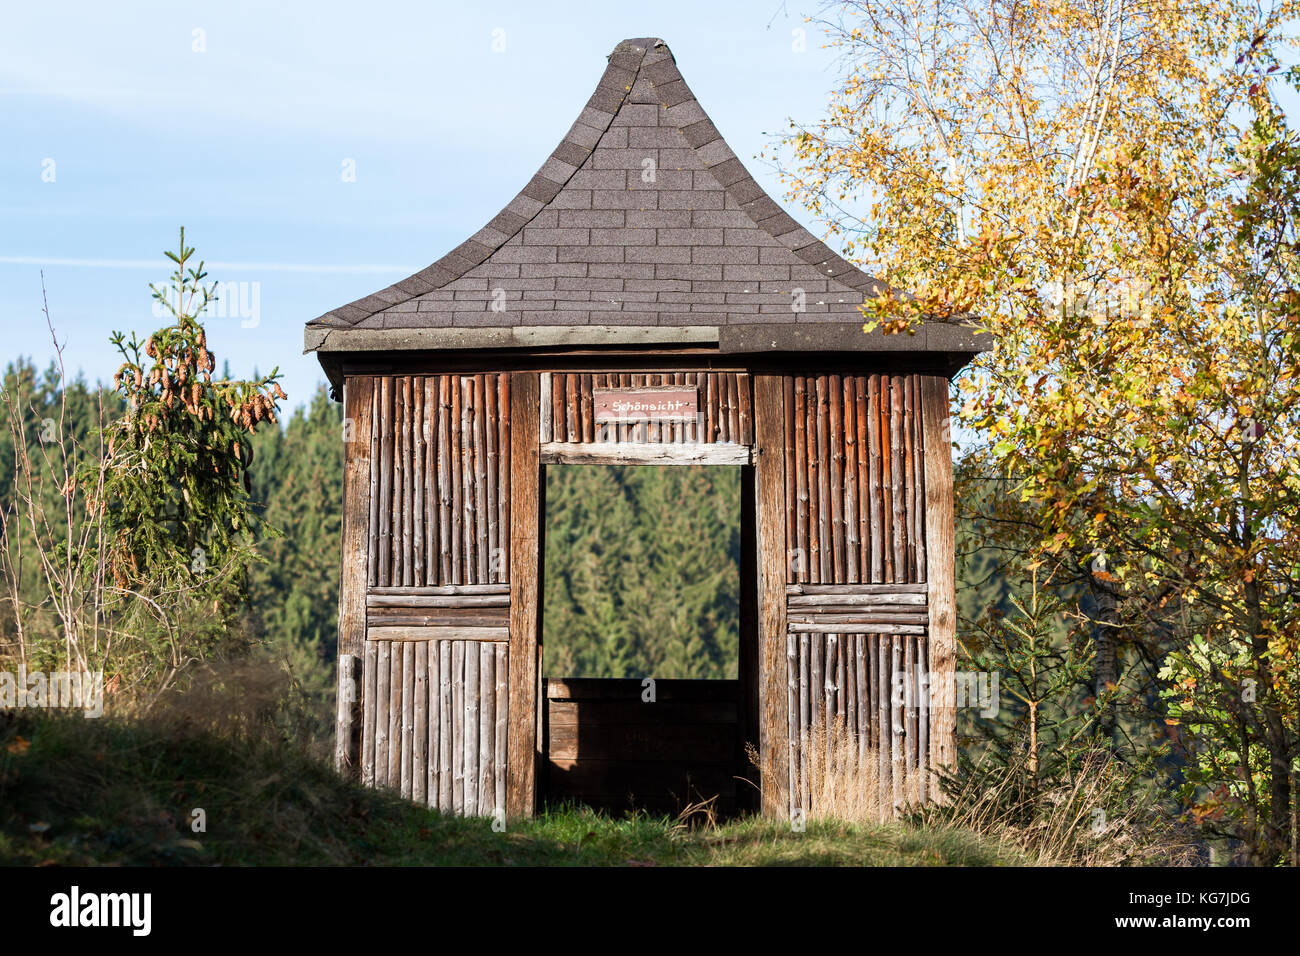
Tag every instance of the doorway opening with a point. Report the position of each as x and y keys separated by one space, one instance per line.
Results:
x=644 y=628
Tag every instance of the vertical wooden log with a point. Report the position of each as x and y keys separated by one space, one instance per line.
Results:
x=469 y=552
x=835 y=467
x=358 y=395
x=408 y=720
x=408 y=490
x=395 y=717
x=769 y=449
x=503 y=484
x=446 y=729
x=418 y=482
x=420 y=724
x=805 y=722
x=385 y=538
x=745 y=413
x=501 y=698
x=457 y=649
x=941 y=573
x=874 y=490
x=852 y=558
x=923 y=722
x=456 y=480
x=491 y=418
x=487 y=728
x=372 y=532
x=383 y=680
x=802 y=507
x=473 y=704
x=896 y=771
x=370 y=667
x=526 y=542
x=883 y=724
x=862 y=446
x=429 y=425
x=792 y=719
x=545 y=416
x=433 y=727
x=445 y=489
x=482 y=513
x=791 y=496
x=909 y=715
x=899 y=487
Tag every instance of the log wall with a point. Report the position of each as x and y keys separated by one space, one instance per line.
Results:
x=856 y=615
x=435 y=674
x=852 y=611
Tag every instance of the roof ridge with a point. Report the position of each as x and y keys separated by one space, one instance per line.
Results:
x=631 y=59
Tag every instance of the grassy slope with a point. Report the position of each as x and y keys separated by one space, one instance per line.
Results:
x=76 y=791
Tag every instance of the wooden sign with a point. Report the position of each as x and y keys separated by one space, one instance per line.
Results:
x=670 y=403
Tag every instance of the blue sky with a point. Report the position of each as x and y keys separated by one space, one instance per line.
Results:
x=244 y=142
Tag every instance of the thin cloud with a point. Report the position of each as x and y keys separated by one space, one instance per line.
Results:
x=230 y=266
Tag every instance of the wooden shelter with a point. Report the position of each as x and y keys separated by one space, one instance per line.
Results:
x=641 y=301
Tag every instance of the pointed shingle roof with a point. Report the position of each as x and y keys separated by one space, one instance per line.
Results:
x=642 y=227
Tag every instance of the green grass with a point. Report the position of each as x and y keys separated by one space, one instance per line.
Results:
x=91 y=792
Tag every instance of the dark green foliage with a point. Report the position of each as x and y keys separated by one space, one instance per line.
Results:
x=642 y=572
x=297 y=488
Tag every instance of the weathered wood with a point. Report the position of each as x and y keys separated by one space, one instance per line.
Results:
x=546 y=415
x=346 y=730
x=797 y=627
x=444 y=481
x=801 y=502
x=395 y=686
x=433 y=711
x=644 y=453
x=896 y=730
x=354 y=569
x=501 y=700
x=457 y=741
x=833 y=599
x=482 y=512
x=769 y=420
x=868 y=618
x=455 y=480
x=835 y=425
x=437 y=600
x=408 y=482
x=503 y=481
x=448 y=590
x=487 y=726
x=370 y=667
x=383 y=670
x=446 y=731
x=525 y=594
x=894 y=589
x=384 y=544
x=940 y=574
x=410 y=687
x=852 y=555
x=438 y=632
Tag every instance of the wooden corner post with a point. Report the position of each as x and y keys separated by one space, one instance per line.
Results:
x=769 y=464
x=357 y=406
x=525 y=591
x=940 y=569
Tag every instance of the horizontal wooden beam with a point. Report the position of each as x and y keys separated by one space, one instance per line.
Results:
x=856 y=600
x=645 y=453
x=444 y=591
x=858 y=621
x=842 y=589
x=437 y=600
x=438 y=633
x=794 y=628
